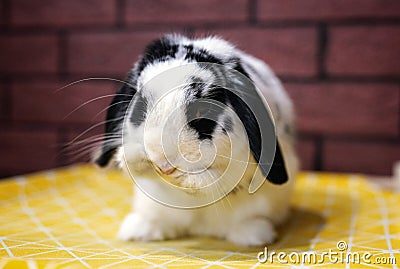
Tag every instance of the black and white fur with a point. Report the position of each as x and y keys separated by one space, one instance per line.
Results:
x=243 y=218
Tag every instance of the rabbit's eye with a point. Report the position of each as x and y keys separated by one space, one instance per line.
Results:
x=202 y=115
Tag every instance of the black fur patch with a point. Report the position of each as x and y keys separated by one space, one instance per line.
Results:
x=106 y=154
x=161 y=49
x=239 y=68
x=139 y=110
x=204 y=127
x=196 y=88
x=203 y=112
x=202 y=115
x=216 y=93
x=114 y=118
x=201 y=56
x=164 y=48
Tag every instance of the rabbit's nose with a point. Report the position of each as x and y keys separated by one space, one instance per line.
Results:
x=166 y=168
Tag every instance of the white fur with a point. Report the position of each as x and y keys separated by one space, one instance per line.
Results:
x=243 y=218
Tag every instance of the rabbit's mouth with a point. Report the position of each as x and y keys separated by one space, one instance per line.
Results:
x=190 y=180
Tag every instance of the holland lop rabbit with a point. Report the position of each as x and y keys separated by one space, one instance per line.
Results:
x=182 y=125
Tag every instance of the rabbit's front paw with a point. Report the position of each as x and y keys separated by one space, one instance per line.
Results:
x=252 y=232
x=136 y=227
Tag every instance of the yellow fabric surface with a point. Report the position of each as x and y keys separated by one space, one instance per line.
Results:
x=68 y=218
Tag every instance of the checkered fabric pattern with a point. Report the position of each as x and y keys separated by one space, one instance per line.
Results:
x=68 y=218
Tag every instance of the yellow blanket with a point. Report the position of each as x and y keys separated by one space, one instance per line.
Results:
x=68 y=218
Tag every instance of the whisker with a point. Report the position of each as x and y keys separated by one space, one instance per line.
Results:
x=93 y=139
x=85 y=148
x=92 y=100
x=88 y=79
x=88 y=148
x=98 y=144
x=94 y=126
x=90 y=139
x=215 y=205
x=226 y=195
x=101 y=111
x=83 y=140
x=221 y=193
x=72 y=150
x=78 y=156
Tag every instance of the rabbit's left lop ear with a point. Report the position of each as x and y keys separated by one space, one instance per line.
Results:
x=114 y=120
x=276 y=172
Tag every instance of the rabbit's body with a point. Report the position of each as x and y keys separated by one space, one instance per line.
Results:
x=241 y=217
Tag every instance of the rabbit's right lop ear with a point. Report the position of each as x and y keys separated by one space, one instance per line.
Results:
x=259 y=127
x=278 y=173
x=113 y=124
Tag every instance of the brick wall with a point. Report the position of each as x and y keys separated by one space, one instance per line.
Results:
x=339 y=60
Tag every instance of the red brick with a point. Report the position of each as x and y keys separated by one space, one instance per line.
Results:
x=288 y=51
x=3 y=100
x=347 y=109
x=42 y=102
x=326 y=10
x=27 y=151
x=306 y=150
x=106 y=53
x=28 y=54
x=373 y=50
x=62 y=13
x=183 y=11
x=2 y=13
x=366 y=157
x=2 y=104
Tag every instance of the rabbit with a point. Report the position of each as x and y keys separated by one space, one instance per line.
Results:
x=145 y=118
